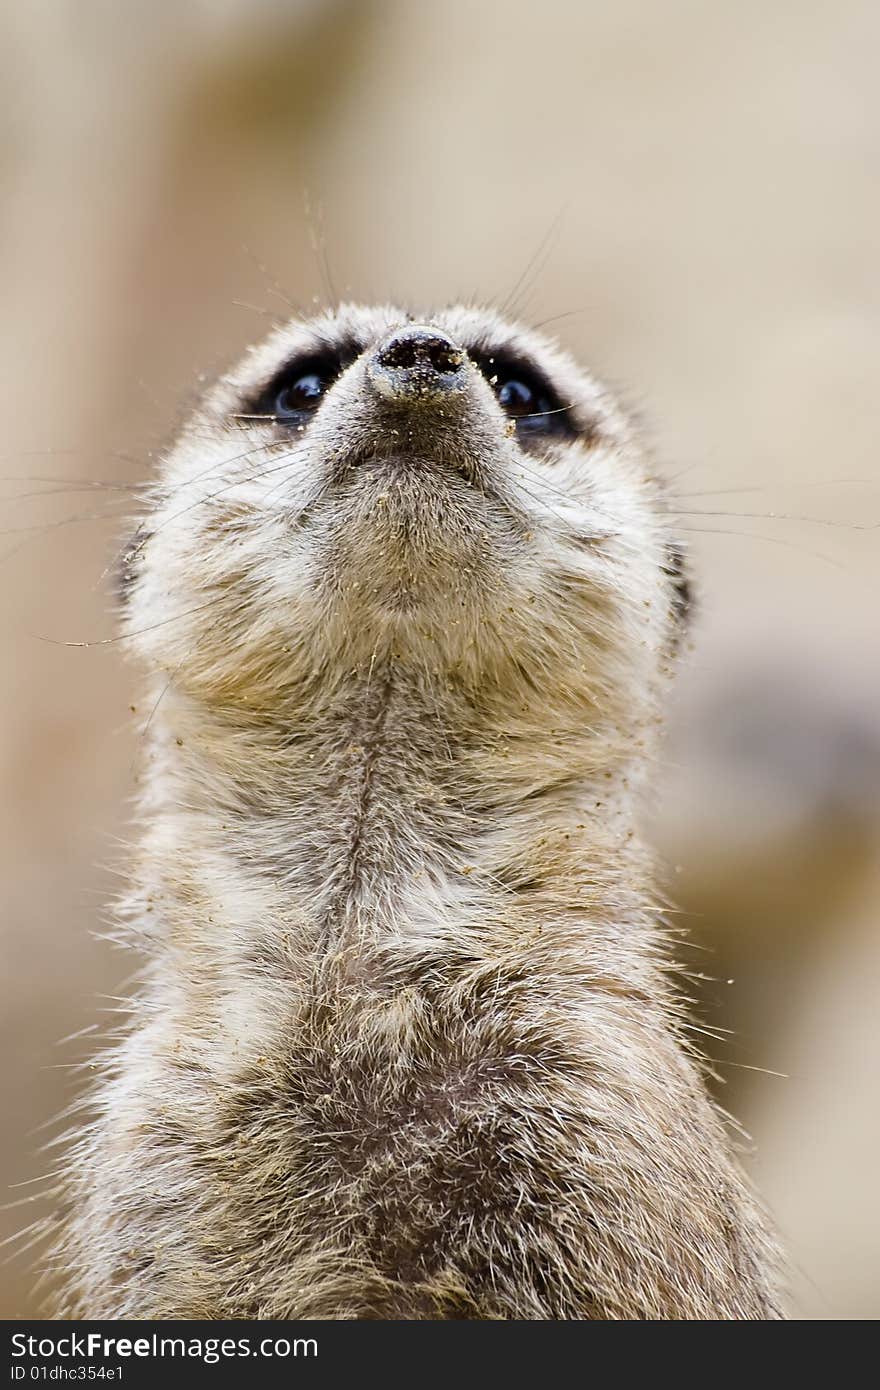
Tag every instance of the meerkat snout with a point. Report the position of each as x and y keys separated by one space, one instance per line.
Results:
x=418 y=361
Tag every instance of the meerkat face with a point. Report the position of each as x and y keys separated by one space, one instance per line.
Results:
x=450 y=489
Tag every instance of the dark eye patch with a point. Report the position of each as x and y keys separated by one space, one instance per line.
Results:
x=525 y=395
x=682 y=590
x=297 y=389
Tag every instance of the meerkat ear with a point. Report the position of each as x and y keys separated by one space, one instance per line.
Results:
x=682 y=589
x=128 y=565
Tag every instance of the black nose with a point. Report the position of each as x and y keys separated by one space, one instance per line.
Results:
x=418 y=361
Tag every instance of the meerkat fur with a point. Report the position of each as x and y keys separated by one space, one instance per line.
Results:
x=407 y=1043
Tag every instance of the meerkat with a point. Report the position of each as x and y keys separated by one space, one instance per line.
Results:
x=407 y=1043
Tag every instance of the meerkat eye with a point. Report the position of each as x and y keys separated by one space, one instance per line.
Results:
x=517 y=398
x=525 y=397
x=535 y=409
x=296 y=391
x=301 y=396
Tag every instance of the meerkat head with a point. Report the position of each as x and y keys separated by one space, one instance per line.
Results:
x=451 y=492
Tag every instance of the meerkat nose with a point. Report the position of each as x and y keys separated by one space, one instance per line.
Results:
x=417 y=361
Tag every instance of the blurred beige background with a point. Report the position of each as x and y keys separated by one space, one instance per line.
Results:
x=691 y=192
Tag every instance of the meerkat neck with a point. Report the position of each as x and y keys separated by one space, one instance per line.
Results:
x=398 y=810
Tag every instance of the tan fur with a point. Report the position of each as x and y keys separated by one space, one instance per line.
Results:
x=406 y=1045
